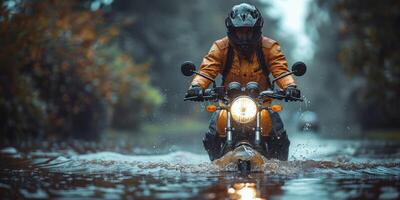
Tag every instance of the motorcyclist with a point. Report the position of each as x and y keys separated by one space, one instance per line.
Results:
x=245 y=55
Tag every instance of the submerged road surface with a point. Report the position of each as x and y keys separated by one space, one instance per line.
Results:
x=317 y=169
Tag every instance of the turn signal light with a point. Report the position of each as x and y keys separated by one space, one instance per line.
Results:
x=276 y=108
x=211 y=108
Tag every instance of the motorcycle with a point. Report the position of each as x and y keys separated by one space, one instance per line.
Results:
x=243 y=148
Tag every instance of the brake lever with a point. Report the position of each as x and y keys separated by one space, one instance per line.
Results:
x=267 y=93
x=191 y=99
x=295 y=99
x=280 y=95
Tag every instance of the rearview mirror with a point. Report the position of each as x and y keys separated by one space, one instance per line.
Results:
x=188 y=68
x=299 y=68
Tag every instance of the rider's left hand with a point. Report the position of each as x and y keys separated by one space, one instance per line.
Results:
x=292 y=92
x=195 y=91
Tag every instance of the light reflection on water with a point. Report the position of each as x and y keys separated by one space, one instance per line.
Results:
x=340 y=170
x=243 y=191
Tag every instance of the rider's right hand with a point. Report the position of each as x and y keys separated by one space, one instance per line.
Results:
x=194 y=91
x=292 y=93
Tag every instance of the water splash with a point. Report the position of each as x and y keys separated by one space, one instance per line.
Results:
x=110 y=162
x=182 y=174
x=182 y=162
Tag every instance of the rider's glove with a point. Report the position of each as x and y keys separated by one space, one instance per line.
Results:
x=292 y=93
x=195 y=91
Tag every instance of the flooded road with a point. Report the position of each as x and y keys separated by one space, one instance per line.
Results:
x=317 y=169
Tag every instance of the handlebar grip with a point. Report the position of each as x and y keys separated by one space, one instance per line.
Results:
x=293 y=99
x=208 y=92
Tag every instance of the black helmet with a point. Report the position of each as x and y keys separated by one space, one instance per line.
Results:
x=248 y=18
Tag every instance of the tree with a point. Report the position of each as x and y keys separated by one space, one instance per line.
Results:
x=360 y=37
x=61 y=73
x=370 y=31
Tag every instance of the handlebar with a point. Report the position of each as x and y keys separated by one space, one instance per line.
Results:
x=206 y=95
x=210 y=95
x=280 y=95
x=199 y=98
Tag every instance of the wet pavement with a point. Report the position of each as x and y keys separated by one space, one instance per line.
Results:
x=317 y=169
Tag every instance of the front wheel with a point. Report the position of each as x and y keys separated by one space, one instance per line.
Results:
x=244 y=166
x=278 y=147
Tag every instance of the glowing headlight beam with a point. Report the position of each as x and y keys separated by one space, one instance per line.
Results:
x=243 y=109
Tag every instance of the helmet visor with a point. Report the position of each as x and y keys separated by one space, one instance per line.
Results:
x=244 y=34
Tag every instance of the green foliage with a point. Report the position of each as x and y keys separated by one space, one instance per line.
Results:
x=371 y=30
x=60 y=73
x=366 y=45
x=134 y=98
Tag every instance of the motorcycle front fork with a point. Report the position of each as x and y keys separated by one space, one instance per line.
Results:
x=257 y=135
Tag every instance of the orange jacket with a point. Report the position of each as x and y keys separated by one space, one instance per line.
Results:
x=242 y=70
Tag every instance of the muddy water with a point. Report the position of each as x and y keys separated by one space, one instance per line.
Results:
x=317 y=169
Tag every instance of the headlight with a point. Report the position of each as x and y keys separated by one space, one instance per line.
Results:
x=243 y=109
